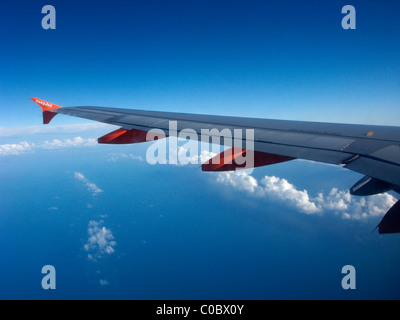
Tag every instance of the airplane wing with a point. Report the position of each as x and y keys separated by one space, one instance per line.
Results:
x=370 y=150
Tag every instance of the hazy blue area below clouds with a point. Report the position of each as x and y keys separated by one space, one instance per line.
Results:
x=166 y=231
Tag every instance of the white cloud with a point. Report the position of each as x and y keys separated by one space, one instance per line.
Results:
x=15 y=148
x=241 y=181
x=355 y=208
x=272 y=188
x=285 y=191
x=338 y=202
x=90 y=185
x=100 y=242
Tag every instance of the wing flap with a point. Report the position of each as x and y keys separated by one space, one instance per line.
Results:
x=228 y=160
x=389 y=154
x=306 y=140
x=375 y=168
x=123 y=136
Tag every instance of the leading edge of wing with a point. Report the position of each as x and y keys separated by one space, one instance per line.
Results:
x=127 y=116
x=323 y=142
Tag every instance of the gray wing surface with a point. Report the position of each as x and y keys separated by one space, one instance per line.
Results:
x=368 y=149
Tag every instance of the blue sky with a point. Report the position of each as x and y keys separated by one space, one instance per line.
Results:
x=285 y=59
x=165 y=231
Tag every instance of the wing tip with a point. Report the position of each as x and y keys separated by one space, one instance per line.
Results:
x=47 y=109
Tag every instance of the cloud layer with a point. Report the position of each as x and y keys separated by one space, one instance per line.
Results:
x=113 y=157
x=24 y=146
x=68 y=143
x=280 y=190
x=68 y=128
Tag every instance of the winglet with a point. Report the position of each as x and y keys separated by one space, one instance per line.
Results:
x=48 y=109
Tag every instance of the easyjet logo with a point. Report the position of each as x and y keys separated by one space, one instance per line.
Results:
x=44 y=103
